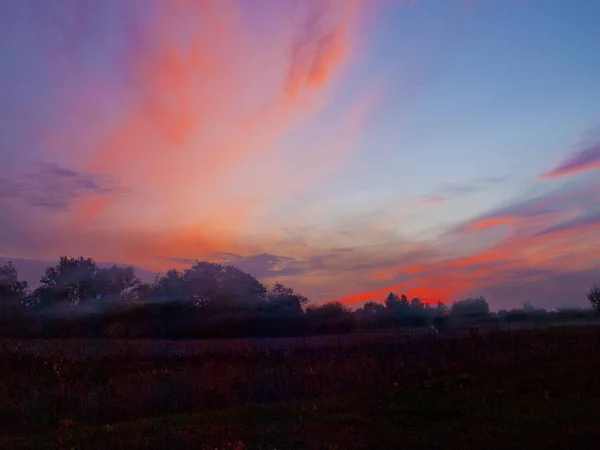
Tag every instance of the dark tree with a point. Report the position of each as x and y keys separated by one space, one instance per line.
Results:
x=329 y=318
x=370 y=315
x=398 y=310
x=593 y=296
x=169 y=287
x=373 y=308
x=393 y=302
x=116 y=283
x=12 y=291
x=220 y=286
x=71 y=282
x=416 y=304
x=286 y=300
x=471 y=308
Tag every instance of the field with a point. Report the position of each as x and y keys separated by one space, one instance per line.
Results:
x=502 y=389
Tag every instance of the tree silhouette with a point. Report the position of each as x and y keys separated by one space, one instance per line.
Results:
x=115 y=283
x=373 y=308
x=78 y=298
x=219 y=286
x=471 y=308
x=169 y=287
x=593 y=296
x=12 y=291
x=70 y=282
x=393 y=302
x=286 y=301
x=329 y=318
x=370 y=315
x=416 y=304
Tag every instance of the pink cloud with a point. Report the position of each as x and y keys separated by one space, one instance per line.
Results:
x=196 y=119
x=433 y=200
x=550 y=239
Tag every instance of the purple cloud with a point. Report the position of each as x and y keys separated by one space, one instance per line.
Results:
x=582 y=160
x=582 y=220
x=53 y=187
x=260 y=266
x=563 y=200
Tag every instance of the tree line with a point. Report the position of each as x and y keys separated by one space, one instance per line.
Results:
x=77 y=298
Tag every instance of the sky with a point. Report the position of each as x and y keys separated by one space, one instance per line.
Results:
x=347 y=148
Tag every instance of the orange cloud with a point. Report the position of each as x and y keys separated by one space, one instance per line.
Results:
x=208 y=97
x=492 y=222
x=189 y=125
x=528 y=255
x=320 y=47
x=433 y=201
x=438 y=291
x=90 y=209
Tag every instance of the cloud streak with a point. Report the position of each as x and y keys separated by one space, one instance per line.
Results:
x=197 y=118
x=526 y=256
x=584 y=160
x=55 y=188
x=449 y=191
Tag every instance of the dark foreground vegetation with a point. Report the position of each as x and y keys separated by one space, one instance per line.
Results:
x=503 y=389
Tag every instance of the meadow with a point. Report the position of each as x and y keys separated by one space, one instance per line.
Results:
x=535 y=388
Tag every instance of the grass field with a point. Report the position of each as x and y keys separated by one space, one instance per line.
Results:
x=508 y=389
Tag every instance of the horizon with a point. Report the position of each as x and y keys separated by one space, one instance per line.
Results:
x=346 y=149
x=35 y=269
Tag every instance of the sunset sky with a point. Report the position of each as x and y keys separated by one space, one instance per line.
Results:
x=442 y=148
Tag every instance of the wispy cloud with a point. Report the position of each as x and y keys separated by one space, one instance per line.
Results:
x=186 y=103
x=434 y=200
x=581 y=220
x=527 y=258
x=448 y=191
x=320 y=45
x=55 y=188
x=583 y=160
x=556 y=204
x=204 y=109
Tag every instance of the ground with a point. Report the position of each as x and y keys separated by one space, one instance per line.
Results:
x=511 y=389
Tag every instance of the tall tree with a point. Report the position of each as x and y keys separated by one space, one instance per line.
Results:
x=115 y=283
x=441 y=308
x=285 y=300
x=398 y=304
x=372 y=308
x=169 y=287
x=333 y=317
x=593 y=296
x=471 y=307
x=392 y=301
x=71 y=281
x=217 y=285
x=12 y=291
x=416 y=304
